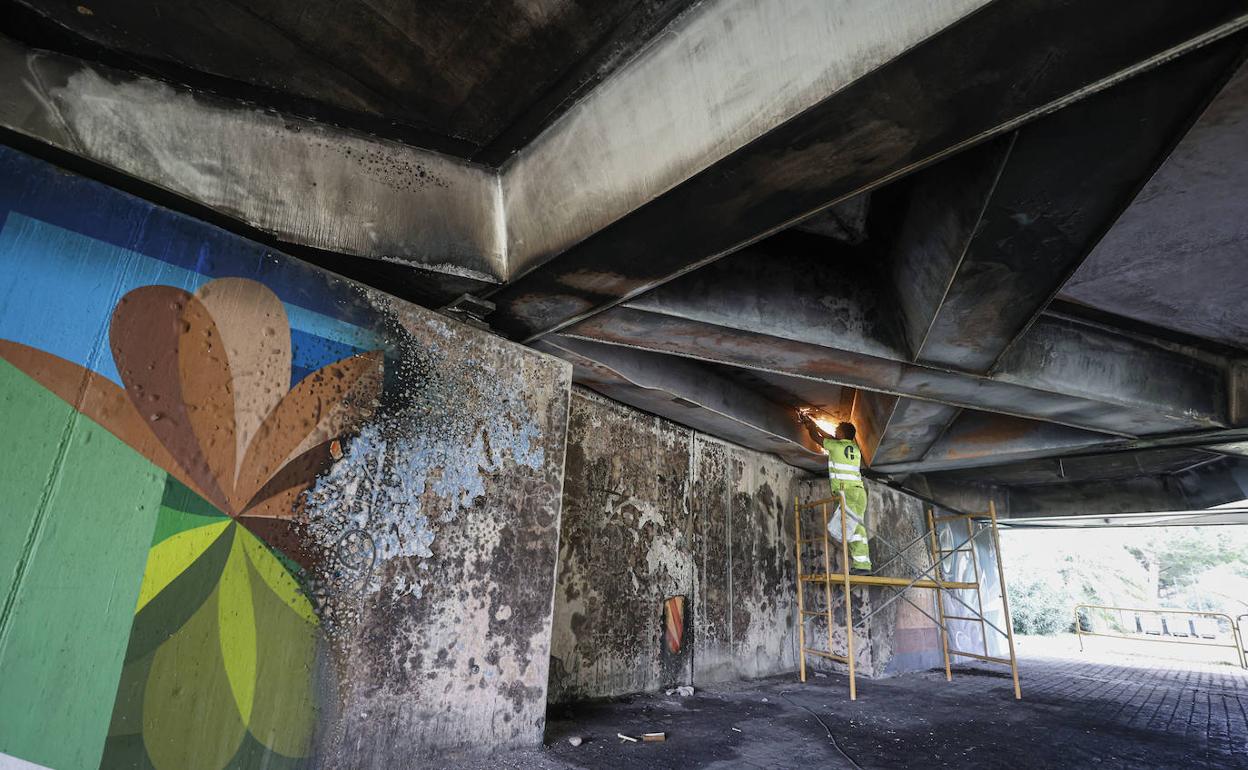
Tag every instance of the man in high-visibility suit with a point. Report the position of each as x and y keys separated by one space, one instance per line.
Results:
x=845 y=474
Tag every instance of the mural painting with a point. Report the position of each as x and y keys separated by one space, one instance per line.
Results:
x=209 y=432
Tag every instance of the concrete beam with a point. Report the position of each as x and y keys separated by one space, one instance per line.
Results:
x=1068 y=490
x=689 y=394
x=1123 y=388
x=1024 y=211
x=1209 y=485
x=990 y=236
x=306 y=183
x=896 y=430
x=978 y=439
x=796 y=325
x=629 y=204
x=719 y=77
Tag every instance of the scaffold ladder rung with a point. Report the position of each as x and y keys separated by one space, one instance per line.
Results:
x=932 y=577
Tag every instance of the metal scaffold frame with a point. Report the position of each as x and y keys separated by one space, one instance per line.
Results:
x=930 y=577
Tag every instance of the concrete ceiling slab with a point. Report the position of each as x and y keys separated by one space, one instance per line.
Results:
x=1178 y=256
x=474 y=77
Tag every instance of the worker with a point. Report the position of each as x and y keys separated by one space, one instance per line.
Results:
x=844 y=461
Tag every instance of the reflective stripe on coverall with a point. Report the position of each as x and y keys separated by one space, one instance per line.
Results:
x=845 y=476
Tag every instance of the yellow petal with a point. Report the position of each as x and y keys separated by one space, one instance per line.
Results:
x=171 y=556
x=236 y=620
x=275 y=575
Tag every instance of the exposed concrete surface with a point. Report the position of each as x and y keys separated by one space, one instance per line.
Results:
x=1189 y=222
x=445 y=636
x=1074 y=713
x=307 y=183
x=652 y=510
x=718 y=77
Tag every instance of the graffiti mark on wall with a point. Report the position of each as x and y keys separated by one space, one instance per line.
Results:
x=219 y=667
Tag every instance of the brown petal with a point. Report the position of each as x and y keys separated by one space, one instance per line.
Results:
x=286 y=535
x=280 y=495
x=208 y=392
x=323 y=406
x=147 y=329
x=256 y=335
x=97 y=398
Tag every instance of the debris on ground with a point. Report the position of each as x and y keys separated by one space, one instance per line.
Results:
x=654 y=737
x=576 y=740
x=683 y=691
x=628 y=738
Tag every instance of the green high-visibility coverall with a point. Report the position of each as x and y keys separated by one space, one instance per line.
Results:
x=844 y=471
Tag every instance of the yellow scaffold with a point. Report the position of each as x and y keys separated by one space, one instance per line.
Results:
x=930 y=577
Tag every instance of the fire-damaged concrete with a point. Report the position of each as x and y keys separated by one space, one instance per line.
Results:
x=1002 y=238
x=334 y=515
x=622 y=176
x=1121 y=714
x=446 y=615
x=653 y=510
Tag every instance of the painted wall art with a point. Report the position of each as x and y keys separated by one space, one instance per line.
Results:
x=255 y=514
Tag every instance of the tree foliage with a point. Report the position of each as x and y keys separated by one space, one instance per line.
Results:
x=1048 y=572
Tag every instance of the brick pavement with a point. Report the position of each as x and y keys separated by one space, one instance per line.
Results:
x=1102 y=710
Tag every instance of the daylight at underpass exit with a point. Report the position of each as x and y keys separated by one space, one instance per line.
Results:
x=623 y=384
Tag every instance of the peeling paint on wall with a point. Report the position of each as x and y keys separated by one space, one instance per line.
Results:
x=329 y=519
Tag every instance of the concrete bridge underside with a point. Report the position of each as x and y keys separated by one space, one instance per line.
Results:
x=1007 y=239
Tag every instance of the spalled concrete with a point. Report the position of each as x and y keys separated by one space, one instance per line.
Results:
x=446 y=638
x=322 y=523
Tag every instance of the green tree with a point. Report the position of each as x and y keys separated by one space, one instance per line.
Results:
x=1176 y=557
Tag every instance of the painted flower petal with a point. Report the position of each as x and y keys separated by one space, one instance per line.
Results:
x=177 y=602
x=236 y=619
x=284 y=489
x=208 y=392
x=146 y=329
x=256 y=334
x=323 y=406
x=276 y=577
x=289 y=536
x=284 y=713
x=171 y=556
x=190 y=720
x=99 y=399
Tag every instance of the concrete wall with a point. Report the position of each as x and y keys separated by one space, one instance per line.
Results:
x=653 y=510
x=256 y=515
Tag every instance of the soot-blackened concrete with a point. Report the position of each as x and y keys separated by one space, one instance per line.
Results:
x=1074 y=713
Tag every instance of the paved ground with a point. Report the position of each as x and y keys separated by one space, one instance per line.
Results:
x=1102 y=710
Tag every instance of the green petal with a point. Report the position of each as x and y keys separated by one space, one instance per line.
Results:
x=168 y=558
x=237 y=625
x=190 y=721
x=127 y=716
x=179 y=600
x=276 y=576
x=285 y=707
